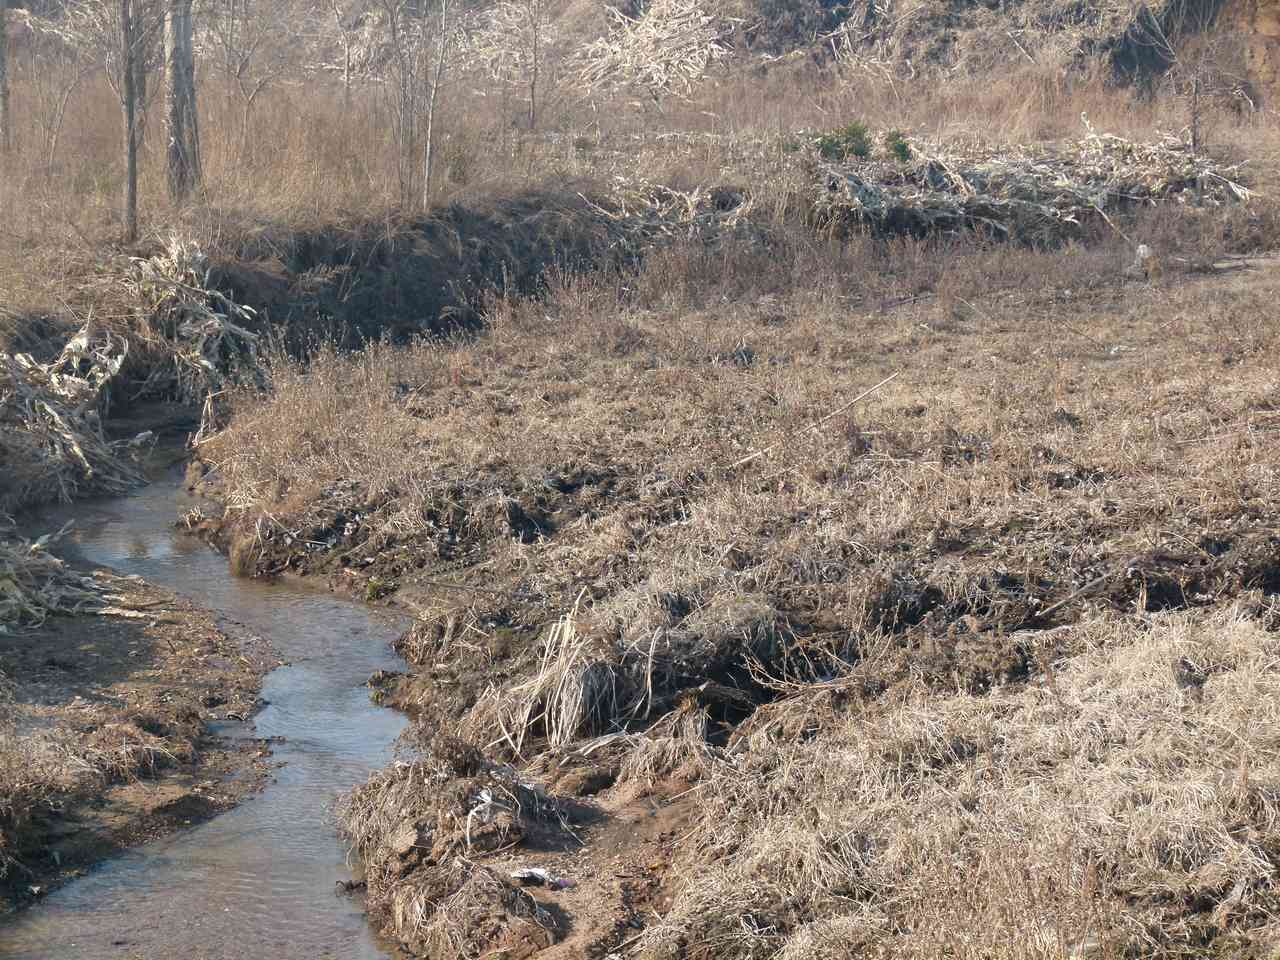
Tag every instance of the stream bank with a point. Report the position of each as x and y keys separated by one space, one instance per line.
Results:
x=130 y=697
x=259 y=881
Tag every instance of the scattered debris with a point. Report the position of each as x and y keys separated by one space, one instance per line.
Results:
x=34 y=583
x=538 y=877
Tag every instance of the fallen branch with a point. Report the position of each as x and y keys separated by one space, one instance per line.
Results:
x=816 y=424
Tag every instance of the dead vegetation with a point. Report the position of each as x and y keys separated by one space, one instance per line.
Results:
x=46 y=767
x=937 y=573
x=50 y=425
x=1029 y=195
x=35 y=584
x=1122 y=803
x=172 y=338
x=103 y=742
x=652 y=539
x=421 y=828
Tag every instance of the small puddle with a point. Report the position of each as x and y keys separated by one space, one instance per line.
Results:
x=258 y=882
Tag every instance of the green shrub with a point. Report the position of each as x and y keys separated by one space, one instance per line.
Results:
x=851 y=140
x=896 y=143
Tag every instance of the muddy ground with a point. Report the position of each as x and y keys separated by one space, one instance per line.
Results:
x=118 y=708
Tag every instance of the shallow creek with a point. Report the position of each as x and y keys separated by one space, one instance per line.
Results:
x=258 y=882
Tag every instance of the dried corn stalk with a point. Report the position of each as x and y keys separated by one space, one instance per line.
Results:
x=34 y=583
x=199 y=327
x=50 y=433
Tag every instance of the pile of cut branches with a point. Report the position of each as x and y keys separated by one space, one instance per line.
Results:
x=641 y=215
x=1035 y=196
x=199 y=330
x=183 y=341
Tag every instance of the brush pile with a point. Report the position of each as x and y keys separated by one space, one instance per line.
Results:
x=183 y=341
x=666 y=47
x=1040 y=198
x=641 y=216
x=910 y=38
x=199 y=331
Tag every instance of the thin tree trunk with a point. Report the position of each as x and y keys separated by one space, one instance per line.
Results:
x=139 y=88
x=6 y=120
x=346 y=57
x=129 y=99
x=536 y=10
x=180 y=102
x=441 y=51
x=54 y=130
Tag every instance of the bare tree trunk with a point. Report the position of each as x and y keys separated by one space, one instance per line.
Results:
x=441 y=52
x=129 y=100
x=180 y=102
x=346 y=58
x=139 y=86
x=536 y=10
x=6 y=121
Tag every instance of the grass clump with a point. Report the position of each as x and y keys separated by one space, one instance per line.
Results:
x=851 y=140
x=896 y=145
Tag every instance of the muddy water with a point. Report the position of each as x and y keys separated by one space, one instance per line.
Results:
x=257 y=883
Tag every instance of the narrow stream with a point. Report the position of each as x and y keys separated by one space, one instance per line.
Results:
x=258 y=882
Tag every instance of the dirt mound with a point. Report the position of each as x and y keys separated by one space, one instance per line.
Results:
x=416 y=277
x=421 y=829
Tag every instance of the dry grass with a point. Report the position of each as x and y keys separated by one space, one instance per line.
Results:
x=675 y=746
x=572 y=694
x=42 y=770
x=1108 y=803
x=463 y=924
x=1060 y=449
x=978 y=665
